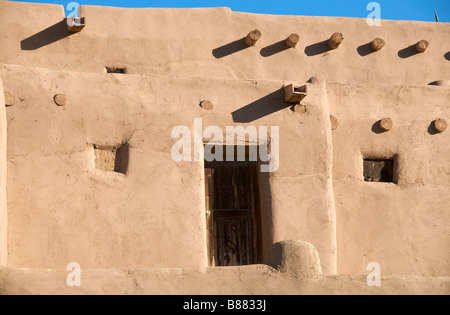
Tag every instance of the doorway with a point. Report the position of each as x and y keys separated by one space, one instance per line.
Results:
x=233 y=213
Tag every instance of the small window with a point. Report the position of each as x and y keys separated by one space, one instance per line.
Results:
x=110 y=159
x=115 y=70
x=378 y=170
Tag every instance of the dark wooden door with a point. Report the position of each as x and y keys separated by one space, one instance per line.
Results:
x=232 y=213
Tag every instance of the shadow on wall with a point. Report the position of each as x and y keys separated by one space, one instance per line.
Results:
x=274 y=49
x=317 y=49
x=46 y=37
x=365 y=49
x=267 y=105
x=447 y=56
x=433 y=83
x=122 y=159
x=432 y=129
x=408 y=52
x=230 y=48
x=376 y=128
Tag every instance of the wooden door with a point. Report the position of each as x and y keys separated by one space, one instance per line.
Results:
x=232 y=213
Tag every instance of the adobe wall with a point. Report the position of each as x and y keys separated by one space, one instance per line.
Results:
x=3 y=205
x=155 y=215
x=175 y=58
x=246 y=280
x=191 y=43
x=402 y=226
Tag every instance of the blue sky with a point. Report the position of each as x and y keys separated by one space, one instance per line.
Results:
x=416 y=10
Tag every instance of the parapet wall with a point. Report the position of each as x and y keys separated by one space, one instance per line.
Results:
x=206 y=43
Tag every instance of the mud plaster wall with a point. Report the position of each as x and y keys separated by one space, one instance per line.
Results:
x=3 y=205
x=256 y=279
x=403 y=226
x=190 y=43
x=153 y=216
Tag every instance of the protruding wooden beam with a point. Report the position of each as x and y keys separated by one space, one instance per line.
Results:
x=335 y=40
x=440 y=125
x=422 y=45
x=206 y=105
x=60 y=99
x=292 y=40
x=252 y=38
x=377 y=44
x=386 y=124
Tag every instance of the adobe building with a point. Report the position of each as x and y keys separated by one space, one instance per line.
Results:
x=88 y=109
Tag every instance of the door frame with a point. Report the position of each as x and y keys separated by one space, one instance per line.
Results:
x=255 y=211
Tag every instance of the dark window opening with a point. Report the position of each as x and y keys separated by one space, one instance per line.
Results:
x=115 y=70
x=379 y=170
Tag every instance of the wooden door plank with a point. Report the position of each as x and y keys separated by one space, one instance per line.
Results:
x=234 y=178
x=234 y=236
x=253 y=214
x=209 y=201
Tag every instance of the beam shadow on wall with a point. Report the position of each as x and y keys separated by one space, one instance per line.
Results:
x=365 y=49
x=376 y=128
x=265 y=106
x=230 y=48
x=317 y=49
x=431 y=128
x=447 y=56
x=46 y=37
x=408 y=52
x=274 y=49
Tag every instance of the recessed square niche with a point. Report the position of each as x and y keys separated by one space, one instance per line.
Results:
x=121 y=70
x=112 y=159
x=379 y=170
